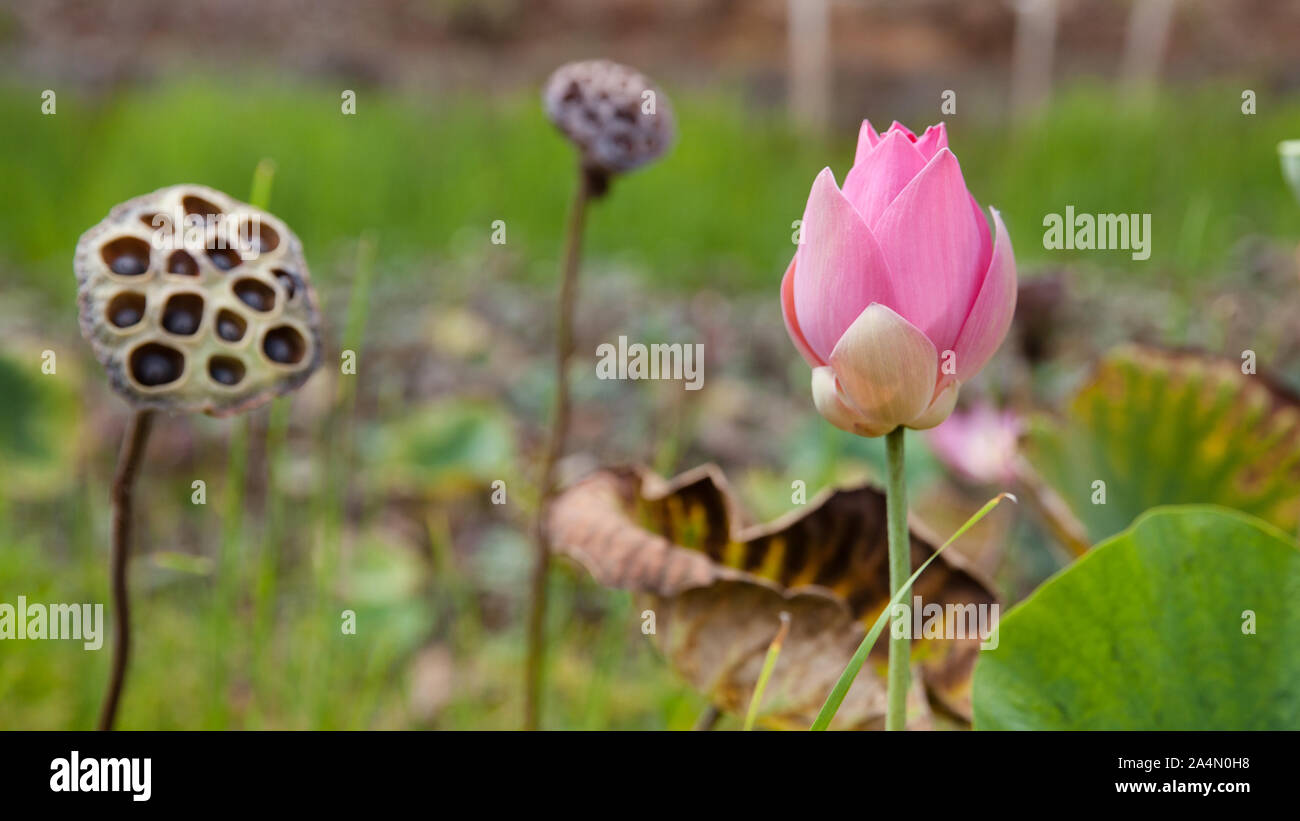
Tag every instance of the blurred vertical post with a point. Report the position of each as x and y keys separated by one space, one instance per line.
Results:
x=810 y=63
x=1035 y=51
x=1144 y=47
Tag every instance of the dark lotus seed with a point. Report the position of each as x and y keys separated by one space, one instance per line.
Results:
x=129 y=266
x=278 y=349
x=126 y=316
x=198 y=205
x=225 y=370
x=182 y=263
x=254 y=294
x=183 y=323
x=155 y=364
x=283 y=345
x=224 y=258
x=230 y=327
x=267 y=239
x=126 y=309
x=127 y=256
x=183 y=314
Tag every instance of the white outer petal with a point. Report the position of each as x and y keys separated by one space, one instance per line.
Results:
x=939 y=409
x=886 y=367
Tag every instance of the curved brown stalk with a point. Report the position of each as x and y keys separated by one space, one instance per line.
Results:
x=128 y=464
x=590 y=185
x=1056 y=514
x=708 y=719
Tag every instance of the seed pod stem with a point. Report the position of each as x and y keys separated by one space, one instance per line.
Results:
x=128 y=465
x=554 y=449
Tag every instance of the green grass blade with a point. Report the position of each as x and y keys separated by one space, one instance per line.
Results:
x=773 y=650
x=263 y=176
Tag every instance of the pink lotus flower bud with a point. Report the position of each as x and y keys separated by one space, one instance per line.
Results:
x=897 y=294
x=979 y=444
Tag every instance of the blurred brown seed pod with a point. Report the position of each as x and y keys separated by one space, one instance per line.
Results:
x=615 y=116
x=1043 y=307
x=195 y=301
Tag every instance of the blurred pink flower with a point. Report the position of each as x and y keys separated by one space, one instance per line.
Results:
x=979 y=444
x=897 y=294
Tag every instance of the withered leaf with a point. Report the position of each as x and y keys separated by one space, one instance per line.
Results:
x=1155 y=427
x=717 y=585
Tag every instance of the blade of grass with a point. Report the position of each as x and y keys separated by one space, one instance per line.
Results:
x=841 y=687
x=354 y=326
x=263 y=176
x=271 y=446
x=277 y=428
x=611 y=649
x=332 y=498
x=244 y=442
x=769 y=663
x=450 y=581
x=224 y=601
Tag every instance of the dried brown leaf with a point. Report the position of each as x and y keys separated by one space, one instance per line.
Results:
x=717 y=585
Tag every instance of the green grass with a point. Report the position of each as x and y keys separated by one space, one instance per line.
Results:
x=429 y=176
x=303 y=673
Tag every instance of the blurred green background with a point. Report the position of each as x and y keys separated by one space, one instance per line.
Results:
x=428 y=177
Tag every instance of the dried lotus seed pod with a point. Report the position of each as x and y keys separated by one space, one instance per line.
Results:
x=195 y=301
x=612 y=113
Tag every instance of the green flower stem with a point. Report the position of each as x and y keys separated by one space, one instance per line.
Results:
x=900 y=567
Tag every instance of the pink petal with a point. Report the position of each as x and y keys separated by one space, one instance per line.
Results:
x=874 y=182
x=986 y=239
x=979 y=444
x=867 y=139
x=897 y=126
x=791 y=321
x=934 y=139
x=990 y=316
x=841 y=268
x=934 y=244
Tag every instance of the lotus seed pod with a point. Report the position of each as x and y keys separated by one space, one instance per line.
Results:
x=194 y=301
x=612 y=113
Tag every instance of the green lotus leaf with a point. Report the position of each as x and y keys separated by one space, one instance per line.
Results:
x=443 y=447
x=1186 y=621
